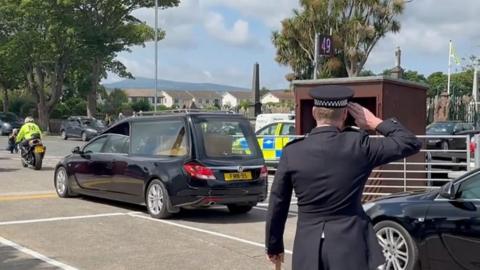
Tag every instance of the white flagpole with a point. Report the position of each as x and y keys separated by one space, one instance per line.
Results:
x=449 y=65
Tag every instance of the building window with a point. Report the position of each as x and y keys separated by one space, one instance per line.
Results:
x=207 y=101
x=175 y=101
x=200 y=101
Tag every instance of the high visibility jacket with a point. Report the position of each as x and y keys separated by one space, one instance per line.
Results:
x=27 y=131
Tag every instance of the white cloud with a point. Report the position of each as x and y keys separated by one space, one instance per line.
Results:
x=208 y=74
x=271 y=12
x=178 y=22
x=427 y=26
x=238 y=35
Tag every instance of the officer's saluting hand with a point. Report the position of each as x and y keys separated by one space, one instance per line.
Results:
x=328 y=170
x=364 y=118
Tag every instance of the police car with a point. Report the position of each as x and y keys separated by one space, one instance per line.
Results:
x=272 y=138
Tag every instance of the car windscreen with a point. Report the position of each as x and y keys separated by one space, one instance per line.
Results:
x=441 y=128
x=226 y=138
x=159 y=138
x=95 y=124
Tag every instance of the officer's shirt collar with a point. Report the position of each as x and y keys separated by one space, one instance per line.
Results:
x=324 y=129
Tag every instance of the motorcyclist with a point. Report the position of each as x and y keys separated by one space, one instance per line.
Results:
x=28 y=131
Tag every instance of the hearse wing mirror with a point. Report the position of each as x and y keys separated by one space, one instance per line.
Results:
x=77 y=150
x=448 y=191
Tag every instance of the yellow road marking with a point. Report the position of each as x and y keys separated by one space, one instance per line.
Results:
x=28 y=197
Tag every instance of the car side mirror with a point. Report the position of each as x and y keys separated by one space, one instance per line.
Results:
x=77 y=150
x=448 y=191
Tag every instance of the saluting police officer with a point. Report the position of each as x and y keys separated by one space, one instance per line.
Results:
x=328 y=170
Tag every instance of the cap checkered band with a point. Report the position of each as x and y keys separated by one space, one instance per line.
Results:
x=331 y=103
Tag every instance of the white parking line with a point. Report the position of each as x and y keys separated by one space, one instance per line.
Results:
x=35 y=254
x=205 y=231
x=58 y=219
x=132 y=214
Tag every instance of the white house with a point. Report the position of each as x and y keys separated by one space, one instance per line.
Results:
x=232 y=99
x=166 y=98
x=179 y=99
x=278 y=96
x=205 y=99
x=135 y=95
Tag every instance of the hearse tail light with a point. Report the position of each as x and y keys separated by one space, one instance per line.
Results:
x=264 y=172
x=198 y=171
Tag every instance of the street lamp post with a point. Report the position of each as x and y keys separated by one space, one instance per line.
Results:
x=156 y=56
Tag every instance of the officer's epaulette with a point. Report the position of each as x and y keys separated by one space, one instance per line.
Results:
x=295 y=140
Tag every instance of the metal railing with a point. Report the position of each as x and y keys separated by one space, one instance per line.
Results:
x=440 y=156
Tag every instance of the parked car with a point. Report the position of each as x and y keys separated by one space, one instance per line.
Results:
x=449 y=128
x=9 y=121
x=267 y=118
x=81 y=127
x=273 y=137
x=437 y=230
x=169 y=162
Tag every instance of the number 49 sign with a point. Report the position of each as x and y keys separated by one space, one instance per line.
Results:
x=325 y=45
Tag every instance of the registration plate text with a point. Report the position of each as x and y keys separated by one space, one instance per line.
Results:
x=238 y=176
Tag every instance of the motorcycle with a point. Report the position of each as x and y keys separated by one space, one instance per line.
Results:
x=33 y=153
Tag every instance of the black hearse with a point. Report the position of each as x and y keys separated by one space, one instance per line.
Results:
x=175 y=160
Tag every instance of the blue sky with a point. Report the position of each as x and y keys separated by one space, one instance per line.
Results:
x=218 y=41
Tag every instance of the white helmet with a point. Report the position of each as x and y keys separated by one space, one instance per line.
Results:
x=28 y=119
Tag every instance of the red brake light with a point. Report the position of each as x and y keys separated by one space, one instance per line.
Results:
x=264 y=172
x=199 y=171
x=473 y=145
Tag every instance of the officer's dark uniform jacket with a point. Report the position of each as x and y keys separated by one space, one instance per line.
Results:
x=328 y=171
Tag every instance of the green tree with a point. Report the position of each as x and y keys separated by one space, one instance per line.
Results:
x=264 y=91
x=357 y=27
x=366 y=73
x=414 y=76
x=10 y=72
x=295 y=43
x=141 y=105
x=437 y=83
x=115 y=102
x=106 y=28
x=44 y=39
x=360 y=24
x=245 y=104
x=21 y=103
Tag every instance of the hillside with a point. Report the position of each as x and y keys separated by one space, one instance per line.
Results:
x=146 y=83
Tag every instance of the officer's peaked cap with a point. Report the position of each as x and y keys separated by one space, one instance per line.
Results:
x=331 y=96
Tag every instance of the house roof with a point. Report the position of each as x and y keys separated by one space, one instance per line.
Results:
x=283 y=94
x=205 y=94
x=139 y=92
x=184 y=95
x=241 y=94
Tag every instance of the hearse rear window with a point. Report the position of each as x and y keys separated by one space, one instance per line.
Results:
x=226 y=138
x=159 y=138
